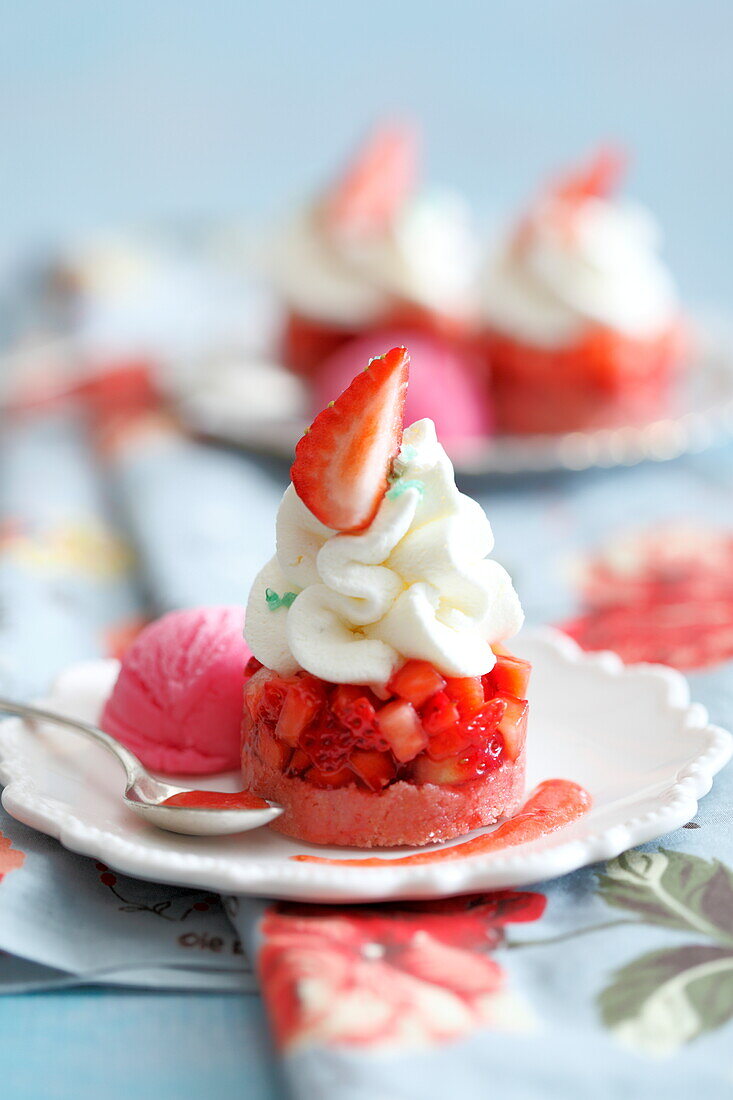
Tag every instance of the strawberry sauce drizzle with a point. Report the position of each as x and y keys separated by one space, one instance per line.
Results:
x=552 y=804
x=216 y=800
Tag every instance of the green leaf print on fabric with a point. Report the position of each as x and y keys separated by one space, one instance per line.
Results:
x=672 y=889
x=667 y=998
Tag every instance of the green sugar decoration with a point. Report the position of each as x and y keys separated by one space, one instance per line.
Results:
x=275 y=602
x=401 y=487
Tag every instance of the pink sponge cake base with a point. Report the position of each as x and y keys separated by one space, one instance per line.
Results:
x=403 y=813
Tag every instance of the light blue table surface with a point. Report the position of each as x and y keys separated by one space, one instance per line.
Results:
x=153 y=1046
x=118 y=113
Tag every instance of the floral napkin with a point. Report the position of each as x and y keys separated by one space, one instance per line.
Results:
x=69 y=591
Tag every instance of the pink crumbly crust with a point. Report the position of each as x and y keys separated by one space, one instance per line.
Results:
x=401 y=814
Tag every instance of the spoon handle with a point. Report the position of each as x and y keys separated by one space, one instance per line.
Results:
x=131 y=764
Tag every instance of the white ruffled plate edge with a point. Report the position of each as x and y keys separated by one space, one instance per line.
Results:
x=282 y=878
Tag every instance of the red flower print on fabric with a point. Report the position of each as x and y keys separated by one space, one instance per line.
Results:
x=664 y=596
x=10 y=858
x=395 y=976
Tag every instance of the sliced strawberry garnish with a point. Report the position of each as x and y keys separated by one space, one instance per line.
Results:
x=416 y=681
x=353 y=707
x=377 y=184
x=509 y=676
x=596 y=179
x=468 y=694
x=343 y=460
x=401 y=728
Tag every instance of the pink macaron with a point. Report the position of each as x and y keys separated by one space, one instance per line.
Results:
x=177 y=702
x=445 y=382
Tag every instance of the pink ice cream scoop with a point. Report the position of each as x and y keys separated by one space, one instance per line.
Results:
x=445 y=382
x=177 y=702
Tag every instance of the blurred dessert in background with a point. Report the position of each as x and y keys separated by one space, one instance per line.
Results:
x=445 y=383
x=372 y=250
x=582 y=324
x=572 y=325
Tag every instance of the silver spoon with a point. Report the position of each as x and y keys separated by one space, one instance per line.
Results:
x=214 y=814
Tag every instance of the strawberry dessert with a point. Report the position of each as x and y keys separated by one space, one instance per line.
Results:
x=582 y=328
x=381 y=706
x=373 y=249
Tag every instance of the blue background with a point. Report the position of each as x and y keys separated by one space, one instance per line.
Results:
x=124 y=112
x=116 y=114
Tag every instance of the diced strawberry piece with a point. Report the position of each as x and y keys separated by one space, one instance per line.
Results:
x=468 y=693
x=344 y=695
x=439 y=713
x=376 y=769
x=509 y=676
x=329 y=779
x=252 y=666
x=264 y=694
x=462 y=768
x=271 y=697
x=302 y=703
x=416 y=681
x=381 y=691
x=449 y=742
x=327 y=743
x=484 y=724
x=513 y=725
x=379 y=181
x=400 y=726
x=273 y=752
x=476 y=735
x=299 y=762
x=354 y=709
x=343 y=460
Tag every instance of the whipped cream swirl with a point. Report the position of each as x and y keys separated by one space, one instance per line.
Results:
x=416 y=584
x=572 y=265
x=426 y=257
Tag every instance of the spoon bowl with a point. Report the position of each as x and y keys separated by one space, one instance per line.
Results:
x=165 y=805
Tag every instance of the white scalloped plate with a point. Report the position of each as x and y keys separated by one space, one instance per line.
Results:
x=629 y=735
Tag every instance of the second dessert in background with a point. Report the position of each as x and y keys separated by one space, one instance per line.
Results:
x=582 y=325
x=373 y=249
